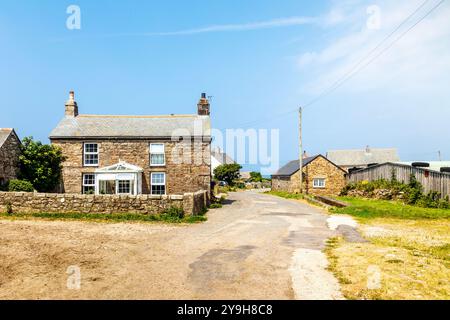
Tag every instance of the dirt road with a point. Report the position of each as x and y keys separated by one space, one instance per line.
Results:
x=255 y=247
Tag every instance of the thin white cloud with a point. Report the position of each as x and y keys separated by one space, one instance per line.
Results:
x=330 y=19
x=275 y=23
x=419 y=61
x=269 y=24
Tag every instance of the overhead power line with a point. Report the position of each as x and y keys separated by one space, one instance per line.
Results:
x=337 y=82
x=352 y=74
x=356 y=68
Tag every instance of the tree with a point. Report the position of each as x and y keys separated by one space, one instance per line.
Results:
x=256 y=177
x=40 y=164
x=227 y=172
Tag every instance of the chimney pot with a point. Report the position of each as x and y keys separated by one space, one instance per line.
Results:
x=203 y=106
x=71 y=107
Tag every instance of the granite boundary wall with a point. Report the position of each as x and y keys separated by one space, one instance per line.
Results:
x=29 y=202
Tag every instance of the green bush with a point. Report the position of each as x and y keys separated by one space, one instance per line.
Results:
x=444 y=203
x=412 y=193
x=349 y=187
x=430 y=200
x=41 y=164
x=256 y=176
x=240 y=185
x=9 y=209
x=173 y=213
x=227 y=172
x=20 y=186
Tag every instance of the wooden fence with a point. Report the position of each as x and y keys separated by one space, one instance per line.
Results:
x=431 y=180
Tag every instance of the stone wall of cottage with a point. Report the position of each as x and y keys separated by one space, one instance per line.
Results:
x=187 y=174
x=281 y=184
x=319 y=168
x=28 y=202
x=9 y=158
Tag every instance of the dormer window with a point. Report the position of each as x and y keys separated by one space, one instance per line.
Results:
x=90 y=155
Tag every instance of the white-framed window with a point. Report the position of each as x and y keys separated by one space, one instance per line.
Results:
x=124 y=187
x=88 y=183
x=90 y=154
x=158 y=183
x=319 y=183
x=157 y=155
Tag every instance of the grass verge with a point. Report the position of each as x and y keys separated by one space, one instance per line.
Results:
x=369 y=209
x=113 y=217
x=286 y=195
x=296 y=196
x=408 y=251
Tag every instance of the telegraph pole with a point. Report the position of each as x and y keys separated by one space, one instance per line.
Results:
x=300 y=159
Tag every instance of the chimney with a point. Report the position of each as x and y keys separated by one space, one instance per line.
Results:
x=203 y=106
x=305 y=155
x=71 y=106
x=367 y=149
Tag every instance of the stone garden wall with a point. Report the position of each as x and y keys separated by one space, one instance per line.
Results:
x=28 y=202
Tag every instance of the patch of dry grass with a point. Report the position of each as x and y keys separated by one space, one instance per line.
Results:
x=413 y=257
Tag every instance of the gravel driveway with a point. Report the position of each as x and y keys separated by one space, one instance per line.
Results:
x=256 y=247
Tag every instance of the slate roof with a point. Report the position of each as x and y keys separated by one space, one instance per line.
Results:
x=221 y=157
x=362 y=157
x=4 y=134
x=293 y=166
x=109 y=126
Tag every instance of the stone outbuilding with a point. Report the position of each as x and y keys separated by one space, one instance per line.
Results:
x=133 y=155
x=320 y=177
x=9 y=155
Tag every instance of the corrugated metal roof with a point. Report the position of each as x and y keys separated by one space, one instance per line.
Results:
x=4 y=134
x=293 y=166
x=362 y=157
x=98 y=126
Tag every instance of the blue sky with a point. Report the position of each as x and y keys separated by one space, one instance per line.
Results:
x=257 y=58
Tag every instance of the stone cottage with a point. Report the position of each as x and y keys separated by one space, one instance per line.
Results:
x=218 y=158
x=320 y=177
x=9 y=155
x=131 y=155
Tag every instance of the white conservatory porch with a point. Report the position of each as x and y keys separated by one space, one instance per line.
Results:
x=121 y=178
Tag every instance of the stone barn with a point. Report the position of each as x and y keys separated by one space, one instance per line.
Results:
x=320 y=177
